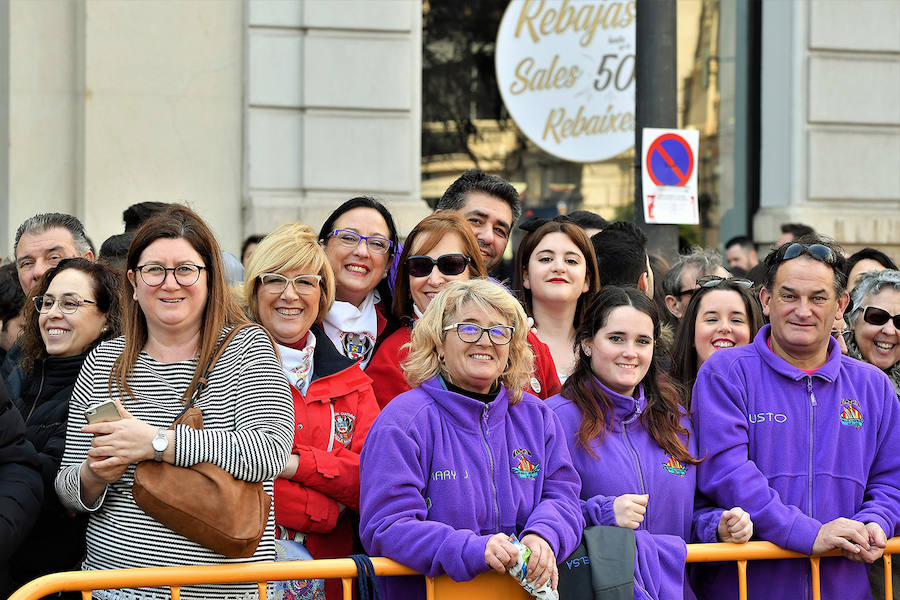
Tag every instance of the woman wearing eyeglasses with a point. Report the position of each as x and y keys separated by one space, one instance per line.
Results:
x=73 y=307
x=360 y=241
x=874 y=321
x=453 y=467
x=288 y=288
x=176 y=309
x=629 y=437
x=722 y=313
x=440 y=249
x=874 y=337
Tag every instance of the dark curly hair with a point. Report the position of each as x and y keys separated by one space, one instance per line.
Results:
x=106 y=283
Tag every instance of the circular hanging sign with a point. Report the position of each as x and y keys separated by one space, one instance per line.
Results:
x=565 y=69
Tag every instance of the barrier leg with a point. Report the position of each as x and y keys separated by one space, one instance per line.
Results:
x=87 y=594
x=429 y=588
x=262 y=586
x=175 y=593
x=888 y=578
x=816 y=584
x=347 y=584
x=742 y=579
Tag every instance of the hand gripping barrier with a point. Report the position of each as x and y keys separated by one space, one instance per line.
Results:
x=488 y=585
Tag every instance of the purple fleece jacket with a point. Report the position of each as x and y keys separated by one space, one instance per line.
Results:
x=796 y=451
x=629 y=461
x=440 y=473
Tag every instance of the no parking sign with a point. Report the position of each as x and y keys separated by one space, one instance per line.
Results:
x=669 y=175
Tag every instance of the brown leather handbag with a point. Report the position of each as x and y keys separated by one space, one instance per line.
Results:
x=204 y=503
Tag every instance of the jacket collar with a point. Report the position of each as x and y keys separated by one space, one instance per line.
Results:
x=626 y=409
x=829 y=371
x=326 y=358
x=465 y=412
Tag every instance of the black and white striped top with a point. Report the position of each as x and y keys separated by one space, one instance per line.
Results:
x=248 y=420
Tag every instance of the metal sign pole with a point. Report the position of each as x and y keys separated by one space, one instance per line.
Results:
x=656 y=102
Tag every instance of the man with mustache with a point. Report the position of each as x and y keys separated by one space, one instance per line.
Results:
x=805 y=439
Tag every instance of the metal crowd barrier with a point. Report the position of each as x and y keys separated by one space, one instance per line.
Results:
x=488 y=585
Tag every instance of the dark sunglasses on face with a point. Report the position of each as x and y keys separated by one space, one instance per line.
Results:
x=817 y=251
x=711 y=281
x=447 y=264
x=878 y=317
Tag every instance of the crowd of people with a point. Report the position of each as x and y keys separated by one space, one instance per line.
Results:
x=395 y=399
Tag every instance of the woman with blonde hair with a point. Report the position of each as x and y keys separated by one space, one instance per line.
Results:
x=440 y=249
x=289 y=288
x=465 y=459
x=176 y=309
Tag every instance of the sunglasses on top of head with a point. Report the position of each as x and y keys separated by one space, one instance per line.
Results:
x=447 y=264
x=818 y=251
x=878 y=317
x=711 y=281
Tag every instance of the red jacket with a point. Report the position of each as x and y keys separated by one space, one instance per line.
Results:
x=389 y=380
x=339 y=402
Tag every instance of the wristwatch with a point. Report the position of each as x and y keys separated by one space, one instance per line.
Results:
x=160 y=443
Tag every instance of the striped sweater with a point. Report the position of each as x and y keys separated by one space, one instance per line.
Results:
x=248 y=431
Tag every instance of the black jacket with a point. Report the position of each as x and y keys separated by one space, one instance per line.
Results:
x=21 y=490
x=57 y=541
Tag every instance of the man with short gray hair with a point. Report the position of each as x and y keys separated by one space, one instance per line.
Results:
x=44 y=240
x=681 y=280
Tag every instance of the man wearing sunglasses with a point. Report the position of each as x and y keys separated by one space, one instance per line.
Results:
x=802 y=437
x=490 y=205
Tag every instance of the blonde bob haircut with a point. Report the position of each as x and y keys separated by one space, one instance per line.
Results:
x=428 y=333
x=291 y=246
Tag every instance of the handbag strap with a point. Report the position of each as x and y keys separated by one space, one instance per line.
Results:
x=192 y=395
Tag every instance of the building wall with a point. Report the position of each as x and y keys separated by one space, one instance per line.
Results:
x=333 y=109
x=830 y=152
x=253 y=112
x=113 y=103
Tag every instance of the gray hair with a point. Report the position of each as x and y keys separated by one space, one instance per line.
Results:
x=870 y=284
x=44 y=221
x=705 y=261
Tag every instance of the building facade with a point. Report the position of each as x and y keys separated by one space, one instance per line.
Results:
x=259 y=112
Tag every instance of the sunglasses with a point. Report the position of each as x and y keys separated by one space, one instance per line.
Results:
x=878 y=317
x=447 y=264
x=817 y=251
x=711 y=281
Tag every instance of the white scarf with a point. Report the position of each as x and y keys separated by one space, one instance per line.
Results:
x=353 y=330
x=298 y=364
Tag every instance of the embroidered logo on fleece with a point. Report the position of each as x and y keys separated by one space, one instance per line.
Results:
x=356 y=345
x=674 y=466
x=850 y=414
x=525 y=468
x=343 y=428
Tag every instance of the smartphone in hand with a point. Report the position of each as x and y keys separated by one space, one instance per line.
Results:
x=104 y=412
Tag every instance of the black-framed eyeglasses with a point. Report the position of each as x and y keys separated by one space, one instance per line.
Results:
x=711 y=281
x=276 y=283
x=67 y=303
x=349 y=238
x=878 y=317
x=471 y=333
x=185 y=275
x=817 y=251
x=448 y=264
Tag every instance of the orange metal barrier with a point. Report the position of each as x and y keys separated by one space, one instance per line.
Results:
x=489 y=585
